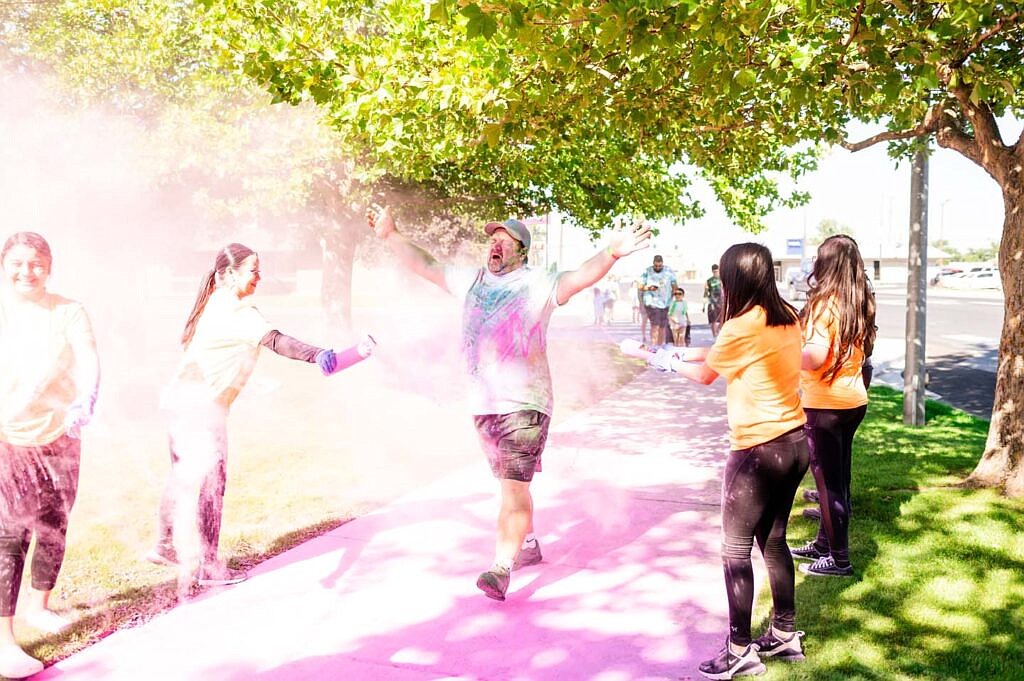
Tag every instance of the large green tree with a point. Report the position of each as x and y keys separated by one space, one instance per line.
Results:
x=739 y=89
x=213 y=140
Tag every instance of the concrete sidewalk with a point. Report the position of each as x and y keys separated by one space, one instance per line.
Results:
x=631 y=587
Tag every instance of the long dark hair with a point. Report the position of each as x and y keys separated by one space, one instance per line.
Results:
x=748 y=279
x=32 y=240
x=230 y=256
x=839 y=276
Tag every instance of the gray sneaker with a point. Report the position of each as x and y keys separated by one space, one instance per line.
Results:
x=494 y=583
x=727 y=665
x=527 y=556
x=786 y=649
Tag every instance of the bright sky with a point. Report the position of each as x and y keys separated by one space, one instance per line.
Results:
x=871 y=195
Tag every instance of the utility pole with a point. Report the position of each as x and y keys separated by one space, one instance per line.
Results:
x=914 y=370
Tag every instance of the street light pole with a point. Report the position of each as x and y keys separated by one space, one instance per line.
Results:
x=914 y=369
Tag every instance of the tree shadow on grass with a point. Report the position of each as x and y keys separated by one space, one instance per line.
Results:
x=938 y=591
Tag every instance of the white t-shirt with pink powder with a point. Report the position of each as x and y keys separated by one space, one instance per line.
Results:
x=504 y=335
x=223 y=351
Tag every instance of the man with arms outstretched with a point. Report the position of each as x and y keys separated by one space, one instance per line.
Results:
x=506 y=310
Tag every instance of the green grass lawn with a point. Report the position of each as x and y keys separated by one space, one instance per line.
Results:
x=938 y=591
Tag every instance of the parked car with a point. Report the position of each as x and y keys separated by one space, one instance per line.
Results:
x=944 y=274
x=954 y=280
x=987 y=278
x=797 y=281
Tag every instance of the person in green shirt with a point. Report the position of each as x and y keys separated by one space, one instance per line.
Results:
x=713 y=301
x=679 y=318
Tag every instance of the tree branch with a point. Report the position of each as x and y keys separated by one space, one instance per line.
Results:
x=986 y=130
x=928 y=125
x=721 y=128
x=950 y=135
x=985 y=147
x=976 y=45
x=854 y=30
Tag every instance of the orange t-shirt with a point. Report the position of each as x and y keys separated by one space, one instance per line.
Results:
x=761 y=366
x=847 y=391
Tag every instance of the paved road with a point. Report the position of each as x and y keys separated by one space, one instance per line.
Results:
x=962 y=340
x=962 y=343
x=961 y=325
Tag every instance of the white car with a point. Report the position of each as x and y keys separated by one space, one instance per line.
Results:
x=983 y=279
x=943 y=276
x=797 y=282
x=978 y=278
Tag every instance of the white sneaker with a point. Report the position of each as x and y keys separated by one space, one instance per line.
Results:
x=15 y=663
x=47 y=620
x=219 y=576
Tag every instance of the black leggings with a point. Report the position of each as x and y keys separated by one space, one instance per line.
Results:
x=757 y=497
x=830 y=438
x=37 y=490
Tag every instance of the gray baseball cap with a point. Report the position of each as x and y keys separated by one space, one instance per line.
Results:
x=517 y=229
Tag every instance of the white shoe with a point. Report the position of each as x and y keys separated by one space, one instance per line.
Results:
x=47 y=620
x=15 y=663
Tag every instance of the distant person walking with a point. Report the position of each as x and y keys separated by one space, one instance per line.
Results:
x=640 y=312
x=713 y=300
x=49 y=379
x=222 y=339
x=598 y=305
x=758 y=354
x=657 y=283
x=507 y=306
x=609 y=304
x=679 y=318
x=839 y=334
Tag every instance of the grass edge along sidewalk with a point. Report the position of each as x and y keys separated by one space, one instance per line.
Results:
x=938 y=590
x=283 y=489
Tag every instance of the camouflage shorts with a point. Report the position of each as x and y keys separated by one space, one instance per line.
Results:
x=513 y=442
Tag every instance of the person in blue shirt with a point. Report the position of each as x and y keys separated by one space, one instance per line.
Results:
x=657 y=283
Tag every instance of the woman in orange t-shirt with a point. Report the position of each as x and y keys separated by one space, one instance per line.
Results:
x=757 y=351
x=839 y=333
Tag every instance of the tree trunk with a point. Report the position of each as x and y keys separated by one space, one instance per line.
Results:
x=338 y=248
x=1002 y=463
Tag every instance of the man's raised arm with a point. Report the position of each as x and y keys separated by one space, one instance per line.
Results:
x=409 y=254
x=622 y=243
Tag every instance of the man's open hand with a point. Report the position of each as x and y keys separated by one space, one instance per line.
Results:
x=380 y=221
x=629 y=240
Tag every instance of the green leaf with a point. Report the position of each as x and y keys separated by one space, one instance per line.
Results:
x=438 y=10
x=492 y=134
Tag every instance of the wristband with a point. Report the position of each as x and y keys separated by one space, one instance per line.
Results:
x=608 y=249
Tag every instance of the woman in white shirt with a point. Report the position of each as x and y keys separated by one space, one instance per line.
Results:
x=222 y=339
x=49 y=377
